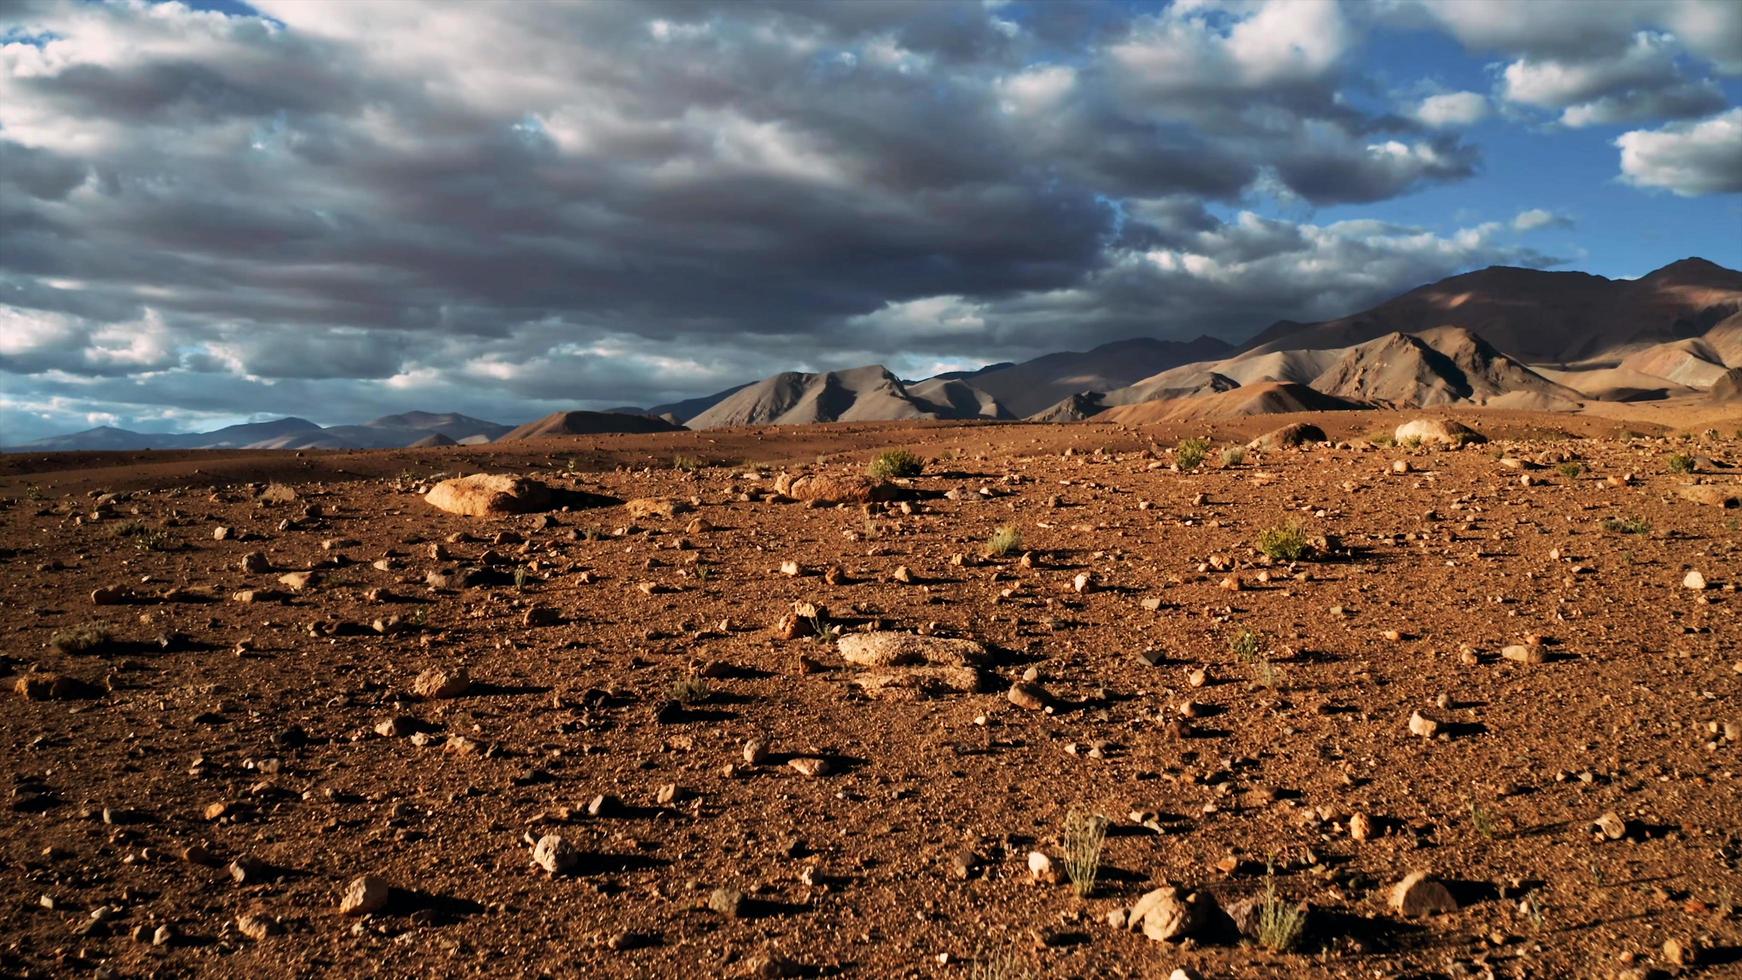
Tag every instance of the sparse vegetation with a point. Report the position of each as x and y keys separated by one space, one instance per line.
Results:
x=998 y=965
x=1246 y=645
x=1381 y=438
x=895 y=463
x=1626 y=525
x=690 y=690
x=1084 y=833
x=521 y=575
x=1233 y=456
x=686 y=464
x=1005 y=540
x=85 y=638
x=144 y=536
x=1191 y=453
x=1571 y=470
x=1480 y=819
x=1280 y=923
x=1283 y=543
x=1681 y=463
x=1414 y=442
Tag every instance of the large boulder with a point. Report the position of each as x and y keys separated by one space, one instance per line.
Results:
x=827 y=489
x=1289 y=436
x=1443 y=431
x=491 y=494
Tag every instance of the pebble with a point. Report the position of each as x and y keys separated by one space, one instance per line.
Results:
x=1419 y=894
x=555 y=854
x=365 y=895
x=1693 y=580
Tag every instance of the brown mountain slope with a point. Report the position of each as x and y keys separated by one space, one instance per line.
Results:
x=1540 y=316
x=1263 y=398
x=1033 y=386
x=587 y=424
x=797 y=398
x=1439 y=367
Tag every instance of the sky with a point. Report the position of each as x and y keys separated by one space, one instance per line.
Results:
x=339 y=209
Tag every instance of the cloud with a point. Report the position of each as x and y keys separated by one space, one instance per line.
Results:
x=1688 y=158
x=1537 y=218
x=513 y=208
x=1452 y=109
x=1641 y=81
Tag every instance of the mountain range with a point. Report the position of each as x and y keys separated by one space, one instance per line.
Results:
x=1503 y=337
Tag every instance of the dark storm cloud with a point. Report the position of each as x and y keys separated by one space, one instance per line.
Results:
x=614 y=202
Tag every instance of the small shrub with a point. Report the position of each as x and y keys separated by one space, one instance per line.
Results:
x=1414 y=442
x=1192 y=452
x=1246 y=645
x=1681 y=463
x=1381 y=438
x=1571 y=470
x=1233 y=456
x=1006 y=540
x=998 y=965
x=1083 y=835
x=88 y=638
x=1280 y=924
x=144 y=536
x=686 y=464
x=1283 y=543
x=521 y=575
x=1627 y=525
x=690 y=690
x=895 y=463
x=1480 y=819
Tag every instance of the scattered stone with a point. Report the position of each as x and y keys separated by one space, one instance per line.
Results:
x=1610 y=825
x=297 y=581
x=1443 y=431
x=1289 y=436
x=1524 y=653
x=827 y=489
x=1028 y=696
x=442 y=682
x=487 y=494
x=1041 y=869
x=256 y=927
x=1422 y=725
x=1693 y=580
x=555 y=854
x=806 y=765
x=644 y=507
x=365 y=896
x=1419 y=894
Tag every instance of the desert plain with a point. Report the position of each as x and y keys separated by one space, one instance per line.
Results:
x=1369 y=708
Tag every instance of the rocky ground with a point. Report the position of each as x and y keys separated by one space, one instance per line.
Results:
x=1475 y=715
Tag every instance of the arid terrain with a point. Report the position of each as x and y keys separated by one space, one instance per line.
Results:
x=241 y=681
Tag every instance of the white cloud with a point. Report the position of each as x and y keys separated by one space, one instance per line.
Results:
x=1690 y=158
x=1536 y=218
x=1452 y=109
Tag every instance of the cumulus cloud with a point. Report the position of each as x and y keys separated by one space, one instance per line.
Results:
x=1641 y=81
x=1535 y=218
x=1452 y=109
x=1688 y=158
x=513 y=208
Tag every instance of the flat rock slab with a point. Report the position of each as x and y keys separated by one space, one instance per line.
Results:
x=1438 y=430
x=836 y=489
x=888 y=648
x=491 y=494
x=1712 y=496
